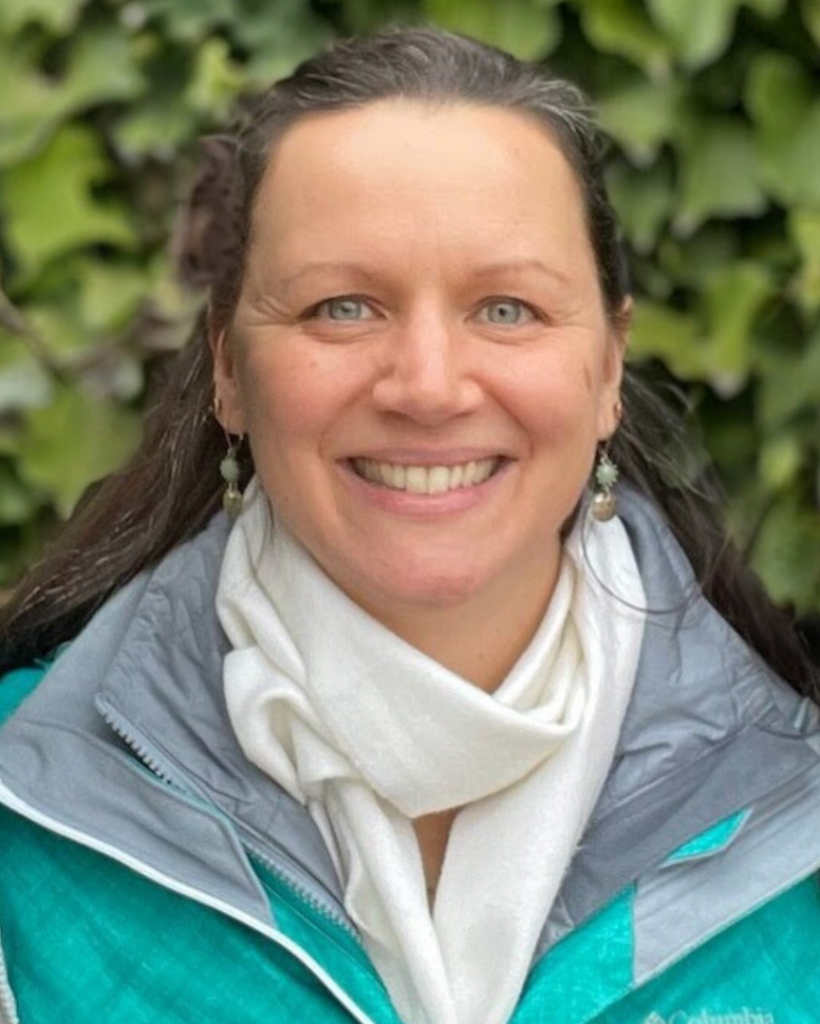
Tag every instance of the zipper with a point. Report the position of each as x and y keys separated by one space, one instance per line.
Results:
x=145 y=752
x=14 y=803
x=318 y=906
x=287 y=873
x=142 y=751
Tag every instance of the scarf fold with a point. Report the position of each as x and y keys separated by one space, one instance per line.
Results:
x=370 y=733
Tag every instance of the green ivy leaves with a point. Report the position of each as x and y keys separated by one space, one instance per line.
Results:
x=56 y=16
x=74 y=440
x=528 y=28
x=700 y=30
x=100 y=69
x=49 y=206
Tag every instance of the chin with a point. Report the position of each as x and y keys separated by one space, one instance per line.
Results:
x=423 y=588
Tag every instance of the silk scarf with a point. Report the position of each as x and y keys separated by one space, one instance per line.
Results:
x=370 y=733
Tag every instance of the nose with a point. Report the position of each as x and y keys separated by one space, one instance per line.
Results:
x=424 y=375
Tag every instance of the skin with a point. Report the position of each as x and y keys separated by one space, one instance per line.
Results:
x=438 y=357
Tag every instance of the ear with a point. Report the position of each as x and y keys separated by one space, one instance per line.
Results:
x=609 y=407
x=228 y=405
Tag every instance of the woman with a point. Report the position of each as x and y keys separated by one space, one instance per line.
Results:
x=434 y=731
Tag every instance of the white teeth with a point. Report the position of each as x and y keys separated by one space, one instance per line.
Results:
x=438 y=480
x=426 y=479
x=483 y=470
x=416 y=480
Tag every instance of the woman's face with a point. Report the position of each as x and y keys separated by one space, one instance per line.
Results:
x=421 y=309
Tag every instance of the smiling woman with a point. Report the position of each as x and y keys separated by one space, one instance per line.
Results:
x=426 y=451
x=465 y=712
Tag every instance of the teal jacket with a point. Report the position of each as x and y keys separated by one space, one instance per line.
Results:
x=149 y=873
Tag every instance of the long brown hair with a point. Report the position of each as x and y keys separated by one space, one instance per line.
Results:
x=171 y=486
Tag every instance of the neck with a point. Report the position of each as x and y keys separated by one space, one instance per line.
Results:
x=482 y=638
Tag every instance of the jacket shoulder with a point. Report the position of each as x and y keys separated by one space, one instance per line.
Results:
x=744 y=975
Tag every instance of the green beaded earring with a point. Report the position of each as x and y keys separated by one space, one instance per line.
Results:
x=229 y=471
x=604 y=501
x=229 y=468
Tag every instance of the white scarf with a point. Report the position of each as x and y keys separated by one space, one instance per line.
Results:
x=369 y=733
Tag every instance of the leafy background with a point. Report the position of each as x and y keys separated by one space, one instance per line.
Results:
x=714 y=110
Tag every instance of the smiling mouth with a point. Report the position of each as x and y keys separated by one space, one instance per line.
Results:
x=427 y=479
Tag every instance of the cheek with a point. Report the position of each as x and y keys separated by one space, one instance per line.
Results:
x=558 y=400
x=296 y=404
x=282 y=396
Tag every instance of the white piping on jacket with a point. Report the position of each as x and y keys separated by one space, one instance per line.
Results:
x=8 y=1006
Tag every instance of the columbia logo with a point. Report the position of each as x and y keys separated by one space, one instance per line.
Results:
x=744 y=1015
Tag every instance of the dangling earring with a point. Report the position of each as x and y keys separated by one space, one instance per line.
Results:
x=604 y=501
x=229 y=469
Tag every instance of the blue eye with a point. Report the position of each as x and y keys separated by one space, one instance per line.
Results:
x=511 y=311
x=347 y=307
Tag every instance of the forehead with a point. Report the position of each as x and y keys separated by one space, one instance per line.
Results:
x=449 y=175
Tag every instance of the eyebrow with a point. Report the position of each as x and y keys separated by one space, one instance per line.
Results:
x=483 y=270
x=486 y=269
x=317 y=265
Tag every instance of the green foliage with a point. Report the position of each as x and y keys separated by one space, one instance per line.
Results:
x=74 y=439
x=714 y=110
x=625 y=28
x=530 y=28
x=51 y=208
